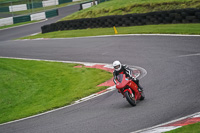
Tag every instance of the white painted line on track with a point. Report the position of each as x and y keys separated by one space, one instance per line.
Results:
x=35 y=34
x=119 y=35
x=112 y=88
x=196 y=115
x=154 y=128
x=188 y=55
x=76 y=102
x=161 y=129
x=75 y=62
x=158 y=35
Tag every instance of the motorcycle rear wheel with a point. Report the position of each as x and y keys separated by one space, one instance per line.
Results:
x=130 y=99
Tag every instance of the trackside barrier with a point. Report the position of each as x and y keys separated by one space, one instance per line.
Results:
x=16 y=8
x=38 y=16
x=189 y=15
x=87 y=5
x=20 y=19
x=49 y=3
x=25 y=18
x=51 y=13
x=6 y=21
x=64 y=1
x=4 y=9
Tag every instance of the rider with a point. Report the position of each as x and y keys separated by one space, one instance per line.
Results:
x=119 y=68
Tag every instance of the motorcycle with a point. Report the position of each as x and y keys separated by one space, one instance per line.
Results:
x=129 y=89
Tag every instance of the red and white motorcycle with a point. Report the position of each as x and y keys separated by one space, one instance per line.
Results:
x=129 y=89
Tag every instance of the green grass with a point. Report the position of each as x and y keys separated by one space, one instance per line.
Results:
x=193 y=128
x=147 y=29
x=121 y=7
x=17 y=24
x=30 y=87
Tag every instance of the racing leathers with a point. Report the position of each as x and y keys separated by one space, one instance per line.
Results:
x=128 y=72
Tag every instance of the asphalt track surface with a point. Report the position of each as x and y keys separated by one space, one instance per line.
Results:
x=21 y=31
x=171 y=84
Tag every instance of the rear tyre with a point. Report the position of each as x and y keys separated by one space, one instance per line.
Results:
x=130 y=99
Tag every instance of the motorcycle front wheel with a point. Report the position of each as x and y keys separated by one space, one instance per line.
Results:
x=130 y=98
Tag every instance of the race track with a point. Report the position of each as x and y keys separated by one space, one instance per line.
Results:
x=171 y=85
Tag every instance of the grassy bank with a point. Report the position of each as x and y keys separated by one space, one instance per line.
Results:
x=121 y=7
x=193 y=128
x=147 y=29
x=31 y=87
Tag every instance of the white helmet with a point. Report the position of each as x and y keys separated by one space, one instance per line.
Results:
x=117 y=65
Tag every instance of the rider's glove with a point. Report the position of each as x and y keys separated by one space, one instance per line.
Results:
x=133 y=78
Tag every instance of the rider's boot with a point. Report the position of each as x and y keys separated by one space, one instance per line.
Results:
x=140 y=89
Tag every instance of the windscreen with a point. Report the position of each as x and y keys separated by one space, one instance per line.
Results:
x=120 y=77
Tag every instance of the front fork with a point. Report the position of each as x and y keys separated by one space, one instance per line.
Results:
x=130 y=91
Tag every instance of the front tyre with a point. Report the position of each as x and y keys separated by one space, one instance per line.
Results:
x=130 y=98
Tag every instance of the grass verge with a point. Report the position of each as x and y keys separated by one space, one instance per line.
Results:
x=18 y=24
x=193 y=128
x=122 y=7
x=31 y=87
x=147 y=29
